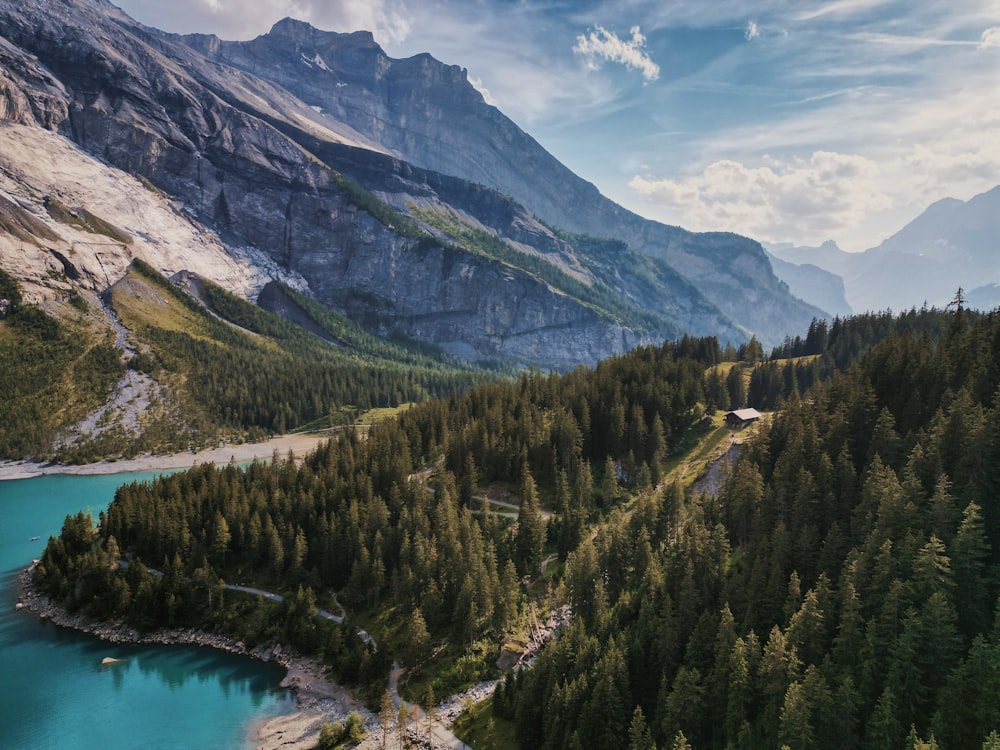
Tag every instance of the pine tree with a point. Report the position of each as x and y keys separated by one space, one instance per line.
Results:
x=796 y=730
x=884 y=731
x=639 y=735
x=736 y=388
x=430 y=713
x=807 y=630
x=386 y=715
x=419 y=639
x=970 y=553
x=530 y=528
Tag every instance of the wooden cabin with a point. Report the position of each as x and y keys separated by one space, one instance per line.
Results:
x=740 y=418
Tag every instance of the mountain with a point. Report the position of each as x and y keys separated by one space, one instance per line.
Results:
x=428 y=114
x=810 y=282
x=952 y=244
x=984 y=297
x=386 y=189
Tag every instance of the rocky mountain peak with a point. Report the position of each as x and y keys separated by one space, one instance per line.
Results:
x=291 y=34
x=206 y=44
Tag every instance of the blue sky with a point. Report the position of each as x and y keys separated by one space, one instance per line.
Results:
x=783 y=120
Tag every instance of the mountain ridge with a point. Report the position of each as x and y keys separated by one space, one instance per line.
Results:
x=950 y=244
x=546 y=187
x=248 y=159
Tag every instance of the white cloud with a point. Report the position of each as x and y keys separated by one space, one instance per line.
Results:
x=753 y=31
x=781 y=201
x=600 y=45
x=990 y=38
x=900 y=40
x=855 y=199
x=387 y=20
x=477 y=84
x=839 y=8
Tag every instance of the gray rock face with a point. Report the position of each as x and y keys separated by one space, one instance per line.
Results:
x=681 y=307
x=29 y=95
x=428 y=114
x=232 y=132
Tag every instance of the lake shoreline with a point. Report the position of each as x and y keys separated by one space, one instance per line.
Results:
x=317 y=699
x=300 y=444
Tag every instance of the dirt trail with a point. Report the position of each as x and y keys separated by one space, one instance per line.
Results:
x=440 y=735
x=717 y=472
x=130 y=397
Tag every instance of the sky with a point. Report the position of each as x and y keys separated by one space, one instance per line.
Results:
x=784 y=120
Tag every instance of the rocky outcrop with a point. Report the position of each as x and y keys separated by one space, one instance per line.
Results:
x=29 y=95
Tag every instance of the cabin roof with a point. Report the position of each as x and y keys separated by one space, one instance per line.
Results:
x=744 y=415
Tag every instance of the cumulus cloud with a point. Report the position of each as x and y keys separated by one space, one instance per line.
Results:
x=477 y=84
x=602 y=45
x=855 y=199
x=753 y=31
x=782 y=201
x=990 y=38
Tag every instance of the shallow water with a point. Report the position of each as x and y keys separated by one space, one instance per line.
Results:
x=54 y=693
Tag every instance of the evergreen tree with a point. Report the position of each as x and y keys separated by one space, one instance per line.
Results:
x=639 y=735
x=530 y=529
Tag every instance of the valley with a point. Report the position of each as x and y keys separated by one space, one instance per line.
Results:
x=435 y=445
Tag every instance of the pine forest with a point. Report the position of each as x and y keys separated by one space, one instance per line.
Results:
x=838 y=590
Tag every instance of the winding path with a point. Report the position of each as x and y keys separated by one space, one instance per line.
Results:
x=362 y=634
x=512 y=509
x=441 y=736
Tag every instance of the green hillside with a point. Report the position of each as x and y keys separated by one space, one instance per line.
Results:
x=53 y=371
x=840 y=590
x=219 y=368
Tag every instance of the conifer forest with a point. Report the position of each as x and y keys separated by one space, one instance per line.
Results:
x=838 y=590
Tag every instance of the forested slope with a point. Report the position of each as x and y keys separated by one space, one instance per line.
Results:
x=52 y=372
x=213 y=365
x=840 y=591
x=241 y=367
x=358 y=518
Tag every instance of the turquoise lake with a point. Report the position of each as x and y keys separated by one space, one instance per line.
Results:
x=54 y=693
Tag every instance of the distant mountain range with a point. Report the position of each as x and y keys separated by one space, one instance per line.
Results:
x=386 y=189
x=810 y=282
x=950 y=245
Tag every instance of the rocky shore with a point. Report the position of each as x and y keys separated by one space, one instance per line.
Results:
x=299 y=444
x=318 y=700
